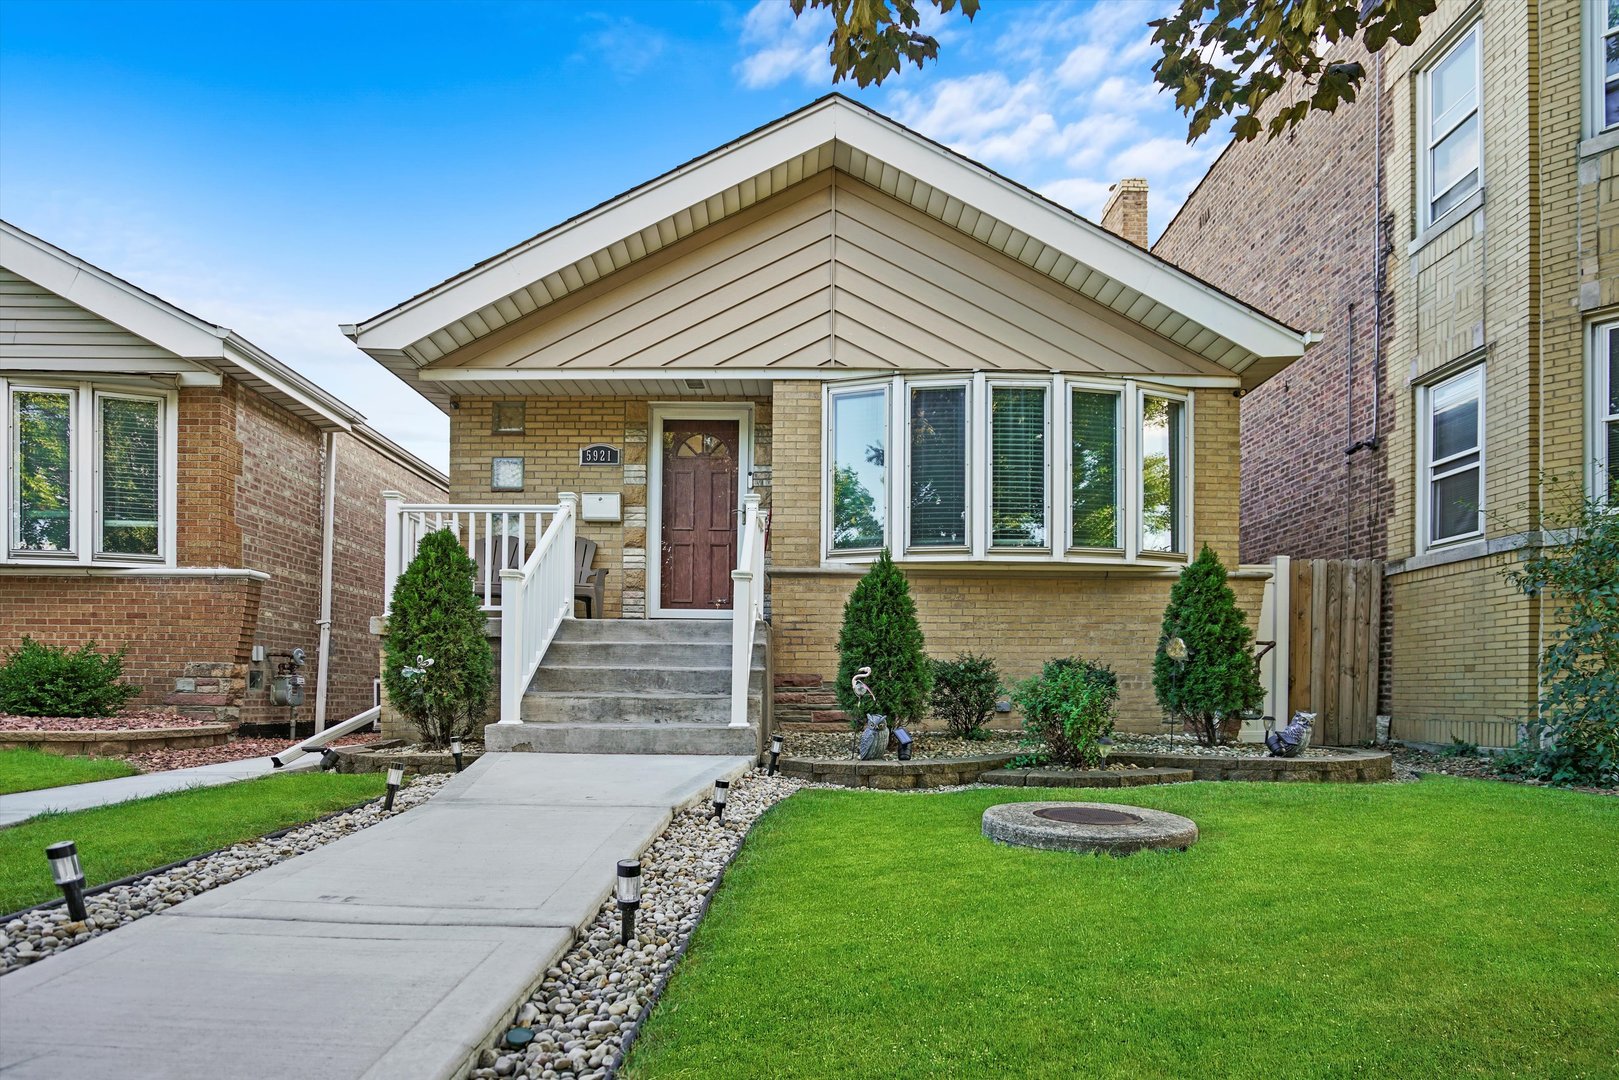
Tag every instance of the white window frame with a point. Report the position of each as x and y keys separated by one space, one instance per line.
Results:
x=829 y=462
x=1059 y=439
x=1595 y=33
x=85 y=465
x=1052 y=453
x=1184 y=517
x=1426 y=466
x=1427 y=138
x=1598 y=467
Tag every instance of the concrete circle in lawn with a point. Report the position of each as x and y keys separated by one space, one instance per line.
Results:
x=1091 y=827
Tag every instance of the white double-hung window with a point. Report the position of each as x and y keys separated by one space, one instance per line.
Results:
x=1604 y=423
x=88 y=473
x=1451 y=166
x=1601 y=65
x=1010 y=468
x=1452 y=418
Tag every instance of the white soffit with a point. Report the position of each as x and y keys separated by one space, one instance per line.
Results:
x=831 y=133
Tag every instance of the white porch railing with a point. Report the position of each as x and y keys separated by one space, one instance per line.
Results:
x=495 y=537
x=533 y=602
x=747 y=603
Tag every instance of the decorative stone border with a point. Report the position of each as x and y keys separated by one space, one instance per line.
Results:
x=1131 y=828
x=1084 y=778
x=893 y=775
x=371 y=759
x=117 y=743
x=1346 y=766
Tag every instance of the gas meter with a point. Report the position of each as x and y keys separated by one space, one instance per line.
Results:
x=287 y=688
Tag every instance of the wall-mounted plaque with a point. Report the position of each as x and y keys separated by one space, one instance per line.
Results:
x=599 y=454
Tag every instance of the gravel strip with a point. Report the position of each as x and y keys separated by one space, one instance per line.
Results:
x=587 y=1010
x=36 y=934
x=928 y=744
x=134 y=720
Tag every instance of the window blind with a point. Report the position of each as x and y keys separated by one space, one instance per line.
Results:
x=939 y=466
x=130 y=461
x=1096 y=463
x=1018 y=466
x=859 y=453
x=42 y=423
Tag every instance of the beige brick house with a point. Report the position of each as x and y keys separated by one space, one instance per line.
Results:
x=878 y=343
x=1460 y=218
x=173 y=489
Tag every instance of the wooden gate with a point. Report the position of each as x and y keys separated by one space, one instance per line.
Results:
x=1333 y=644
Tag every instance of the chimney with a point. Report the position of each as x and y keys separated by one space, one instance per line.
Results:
x=1126 y=211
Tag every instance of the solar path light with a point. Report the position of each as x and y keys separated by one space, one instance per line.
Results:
x=627 y=890
x=722 y=791
x=396 y=776
x=69 y=877
x=455 y=752
x=776 y=742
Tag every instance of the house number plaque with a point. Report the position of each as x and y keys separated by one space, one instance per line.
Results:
x=598 y=454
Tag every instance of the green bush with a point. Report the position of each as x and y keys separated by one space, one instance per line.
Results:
x=1067 y=709
x=44 y=680
x=1575 y=737
x=1219 y=678
x=880 y=631
x=965 y=691
x=437 y=664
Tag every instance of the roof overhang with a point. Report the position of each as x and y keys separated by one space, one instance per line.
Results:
x=832 y=133
x=190 y=339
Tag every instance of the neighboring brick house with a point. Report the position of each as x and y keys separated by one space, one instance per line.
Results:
x=166 y=489
x=1491 y=146
x=892 y=346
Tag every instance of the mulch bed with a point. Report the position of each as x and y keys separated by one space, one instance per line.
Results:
x=239 y=750
x=134 y=720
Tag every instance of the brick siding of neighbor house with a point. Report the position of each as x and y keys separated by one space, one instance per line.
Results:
x=1517 y=283
x=1020 y=616
x=249 y=479
x=1290 y=226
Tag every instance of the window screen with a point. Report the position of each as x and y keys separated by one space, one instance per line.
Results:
x=1018 y=466
x=939 y=466
x=130 y=483
x=1162 y=474
x=42 y=478
x=859 y=468
x=1095 y=463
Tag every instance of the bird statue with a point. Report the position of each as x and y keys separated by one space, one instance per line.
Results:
x=874 y=737
x=1291 y=739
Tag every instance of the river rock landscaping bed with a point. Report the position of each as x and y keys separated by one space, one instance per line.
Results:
x=581 y=1020
x=39 y=932
x=928 y=744
x=133 y=720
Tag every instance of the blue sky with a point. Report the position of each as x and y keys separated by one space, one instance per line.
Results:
x=284 y=167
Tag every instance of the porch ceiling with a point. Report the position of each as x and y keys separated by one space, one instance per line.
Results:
x=833 y=133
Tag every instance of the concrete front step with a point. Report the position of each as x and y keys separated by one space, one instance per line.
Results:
x=638 y=680
x=645 y=630
x=628 y=738
x=687 y=654
x=621 y=708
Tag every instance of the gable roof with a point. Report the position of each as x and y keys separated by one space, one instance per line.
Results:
x=830 y=133
x=194 y=343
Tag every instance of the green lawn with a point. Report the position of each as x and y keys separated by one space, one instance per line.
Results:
x=31 y=770
x=1446 y=928
x=116 y=841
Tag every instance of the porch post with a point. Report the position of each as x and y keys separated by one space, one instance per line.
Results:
x=391 y=502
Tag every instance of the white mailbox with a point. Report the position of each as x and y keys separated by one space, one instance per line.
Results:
x=602 y=506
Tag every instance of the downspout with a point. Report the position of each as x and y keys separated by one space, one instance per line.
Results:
x=1377 y=265
x=327 y=531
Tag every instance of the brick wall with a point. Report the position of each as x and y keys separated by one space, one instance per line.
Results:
x=1022 y=616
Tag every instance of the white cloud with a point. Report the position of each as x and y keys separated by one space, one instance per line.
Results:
x=1083 y=196
x=781 y=47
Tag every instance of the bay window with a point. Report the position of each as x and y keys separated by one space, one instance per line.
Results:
x=1007 y=468
x=1452 y=418
x=1451 y=165
x=87 y=473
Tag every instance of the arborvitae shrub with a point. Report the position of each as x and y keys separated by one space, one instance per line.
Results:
x=1219 y=678
x=880 y=631
x=44 y=680
x=437 y=664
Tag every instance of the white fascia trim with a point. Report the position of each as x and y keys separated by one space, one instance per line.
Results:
x=180 y=372
x=884 y=140
x=16 y=569
x=455 y=375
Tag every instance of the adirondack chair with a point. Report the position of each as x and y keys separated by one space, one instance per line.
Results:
x=589 y=585
x=508 y=555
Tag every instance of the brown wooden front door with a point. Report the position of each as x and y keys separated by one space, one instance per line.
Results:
x=700 y=463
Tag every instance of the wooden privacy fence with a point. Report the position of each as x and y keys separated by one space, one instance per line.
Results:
x=1335 y=626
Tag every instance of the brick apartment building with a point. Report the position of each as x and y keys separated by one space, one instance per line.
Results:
x=1445 y=233
x=172 y=489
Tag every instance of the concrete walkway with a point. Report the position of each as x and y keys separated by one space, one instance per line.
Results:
x=26 y=804
x=393 y=953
